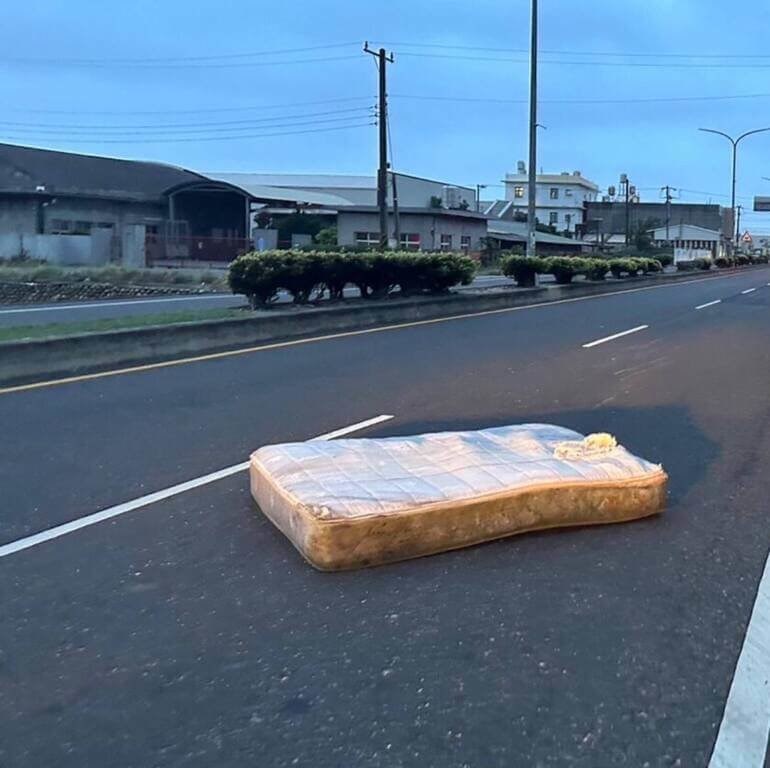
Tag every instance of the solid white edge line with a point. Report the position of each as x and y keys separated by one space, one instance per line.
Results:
x=615 y=336
x=748 y=290
x=743 y=733
x=708 y=304
x=101 y=304
x=144 y=501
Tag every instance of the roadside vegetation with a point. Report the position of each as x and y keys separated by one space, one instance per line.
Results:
x=564 y=268
x=312 y=275
x=54 y=330
x=40 y=272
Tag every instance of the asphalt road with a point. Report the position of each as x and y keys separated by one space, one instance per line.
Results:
x=190 y=633
x=66 y=312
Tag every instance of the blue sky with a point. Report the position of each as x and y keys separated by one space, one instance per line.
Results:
x=458 y=86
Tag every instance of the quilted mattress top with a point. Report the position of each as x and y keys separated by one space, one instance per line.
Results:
x=352 y=478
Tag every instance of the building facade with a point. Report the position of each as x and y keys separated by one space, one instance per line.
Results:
x=608 y=219
x=560 y=197
x=421 y=229
x=47 y=195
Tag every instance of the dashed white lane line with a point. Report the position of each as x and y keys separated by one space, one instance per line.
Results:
x=743 y=732
x=709 y=304
x=748 y=290
x=144 y=501
x=615 y=336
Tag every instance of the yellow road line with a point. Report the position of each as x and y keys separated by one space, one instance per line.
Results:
x=332 y=336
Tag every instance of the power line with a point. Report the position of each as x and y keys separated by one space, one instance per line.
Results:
x=195 y=138
x=180 y=126
x=564 y=62
x=234 y=130
x=199 y=111
x=643 y=100
x=629 y=54
x=145 y=60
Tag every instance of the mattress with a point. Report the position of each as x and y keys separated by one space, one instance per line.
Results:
x=361 y=502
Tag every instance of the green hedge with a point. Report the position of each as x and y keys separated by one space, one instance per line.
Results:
x=310 y=274
x=564 y=268
x=522 y=269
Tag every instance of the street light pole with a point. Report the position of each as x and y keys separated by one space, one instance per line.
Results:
x=734 y=141
x=532 y=196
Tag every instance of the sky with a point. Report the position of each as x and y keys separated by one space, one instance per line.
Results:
x=220 y=85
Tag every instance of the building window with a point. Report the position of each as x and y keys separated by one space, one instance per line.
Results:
x=518 y=192
x=568 y=192
x=410 y=241
x=60 y=227
x=553 y=217
x=367 y=239
x=465 y=242
x=568 y=219
x=554 y=193
x=446 y=242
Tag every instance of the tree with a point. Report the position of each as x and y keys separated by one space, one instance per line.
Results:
x=326 y=236
x=641 y=238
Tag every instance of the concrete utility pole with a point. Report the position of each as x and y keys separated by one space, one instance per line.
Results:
x=738 y=209
x=382 y=173
x=532 y=196
x=668 y=190
x=479 y=187
x=734 y=141
x=396 y=220
x=625 y=186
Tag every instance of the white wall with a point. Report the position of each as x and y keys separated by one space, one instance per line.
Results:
x=67 y=250
x=571 y=197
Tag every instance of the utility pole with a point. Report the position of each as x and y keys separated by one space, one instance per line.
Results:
x=479 y=187
x=396 y=221
x=668 y=190
x=625 y=185
x=532 y=191
x=738 y=208
x=382 y=173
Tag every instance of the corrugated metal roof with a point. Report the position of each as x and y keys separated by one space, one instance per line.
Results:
x=27 y=169
x=250 y=182
x=517 y=230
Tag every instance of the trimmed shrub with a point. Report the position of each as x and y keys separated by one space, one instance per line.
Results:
x=305 y=274
x=596 y=269
x=255 y=276
x=693 y=264
x=666 y=259
x=649 y=265
x=564 y=268
x=741 y=259
x=722 y=262
x=629 y=267
x=522 y=269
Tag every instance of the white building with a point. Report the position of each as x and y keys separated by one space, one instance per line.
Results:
x=559 y=200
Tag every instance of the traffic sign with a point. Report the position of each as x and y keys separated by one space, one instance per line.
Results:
x=747 y=237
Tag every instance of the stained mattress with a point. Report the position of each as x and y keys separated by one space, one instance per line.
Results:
x=354 y=503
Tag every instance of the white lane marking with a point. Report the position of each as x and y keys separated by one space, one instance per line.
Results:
x=144 y=501
x=748 y=290
x=353 y=428
x=99 y=304
x=708 y=304
x=743 y=732
x=614 y=336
